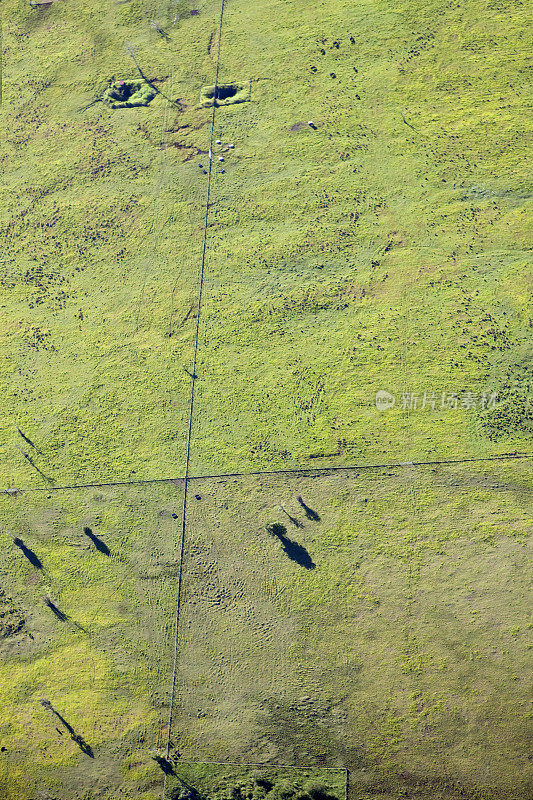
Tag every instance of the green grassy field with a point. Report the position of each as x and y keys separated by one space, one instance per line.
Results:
x=382 y=248
x=386 y=631
x=106 y=666
x=369 y=253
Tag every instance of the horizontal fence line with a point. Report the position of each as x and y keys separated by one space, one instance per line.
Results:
x=356 y=467
x=315 y=471
x=258 y=764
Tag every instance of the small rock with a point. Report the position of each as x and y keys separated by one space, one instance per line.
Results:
x=218 y=141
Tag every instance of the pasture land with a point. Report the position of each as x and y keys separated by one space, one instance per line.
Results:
x=106 y=559
x=253 y=783
x=381 y=249
x=385 y=628
x=366 y=231
x=381 y=626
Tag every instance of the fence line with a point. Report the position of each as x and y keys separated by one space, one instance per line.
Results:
x=311 y=471
x=191 y=402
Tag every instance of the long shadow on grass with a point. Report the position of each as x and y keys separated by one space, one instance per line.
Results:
x=176 y=792
x=76 y=738
x=98 y=543
x=309 y=513
x=34 y=560
x=164 y=764
x=296 y=552
x=60 y=614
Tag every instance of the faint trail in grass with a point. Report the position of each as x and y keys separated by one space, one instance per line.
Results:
x=163 y=160
x=191 y=401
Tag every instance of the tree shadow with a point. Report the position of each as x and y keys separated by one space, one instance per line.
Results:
x=295 y=522
x=34 y=560
x=60 y=614
x=296 y=552
x=30 y=460
x=98 y=543
x=165 y=765
x=55 y=610
x=309 y=513
x=178 y=793
x=76 y=738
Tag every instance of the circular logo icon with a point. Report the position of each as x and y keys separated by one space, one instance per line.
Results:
x=384 y=400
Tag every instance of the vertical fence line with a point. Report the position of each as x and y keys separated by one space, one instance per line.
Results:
x=191 y=401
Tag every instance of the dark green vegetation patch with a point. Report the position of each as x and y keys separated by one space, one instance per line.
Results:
x=226 y=782
x=513 y=413
x=11 y=618
x=225 y=94
x=129 y=94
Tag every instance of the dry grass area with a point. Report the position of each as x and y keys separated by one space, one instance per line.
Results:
x=386 y=629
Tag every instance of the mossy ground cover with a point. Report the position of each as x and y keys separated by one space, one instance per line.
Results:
x=385 y=630
x=221 y=782
x=384 y=248
x=380 y=248
x=108 y=565
x=101 y=227
x=225 y=94
x=129 y=94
